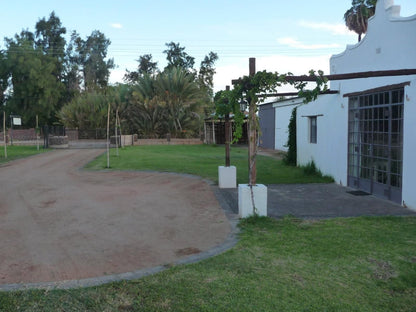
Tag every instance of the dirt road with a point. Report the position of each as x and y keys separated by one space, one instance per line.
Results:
x=58 y=222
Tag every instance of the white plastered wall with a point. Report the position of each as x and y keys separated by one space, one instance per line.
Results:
x=283 y=112
x=390 y=44
x=409 y=147
x=330 y=151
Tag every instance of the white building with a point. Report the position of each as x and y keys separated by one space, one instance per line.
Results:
x=365 y=135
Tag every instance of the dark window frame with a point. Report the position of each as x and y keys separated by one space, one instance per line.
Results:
x=313 y=129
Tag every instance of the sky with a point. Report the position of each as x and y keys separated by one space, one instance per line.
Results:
x=284 y=36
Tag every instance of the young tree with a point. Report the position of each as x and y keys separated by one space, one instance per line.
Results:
x=356 y=18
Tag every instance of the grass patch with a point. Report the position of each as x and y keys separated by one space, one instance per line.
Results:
x=311 y=170
x=354 y=264
x=203 y=160
x=19 y=151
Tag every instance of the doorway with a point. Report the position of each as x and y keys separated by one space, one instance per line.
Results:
x=375 y=143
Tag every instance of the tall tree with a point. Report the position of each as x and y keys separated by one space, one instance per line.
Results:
x=92 y=60
x=4 y=76
x=50 y=39
x=71 y=71
x=50 y=35
x=207 y=72
x=146 y=66
x=36 y=90
x=177 y=57
x=356 y=18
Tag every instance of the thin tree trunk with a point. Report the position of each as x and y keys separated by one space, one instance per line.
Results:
x=227 y=140
x=108 y=136
x=4 y=134
x=116 y=132
x=252 y=130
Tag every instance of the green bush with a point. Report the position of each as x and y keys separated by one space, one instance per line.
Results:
x=291 y=155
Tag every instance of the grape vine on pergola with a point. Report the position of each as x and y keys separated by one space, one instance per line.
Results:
x=259 y=85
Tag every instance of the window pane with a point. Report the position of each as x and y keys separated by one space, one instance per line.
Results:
x=313 y=129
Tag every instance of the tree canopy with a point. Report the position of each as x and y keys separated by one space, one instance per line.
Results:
x=40 y=71
x=356 y=18
x=64 y=78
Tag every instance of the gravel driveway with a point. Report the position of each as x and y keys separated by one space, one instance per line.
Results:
x=58 y=222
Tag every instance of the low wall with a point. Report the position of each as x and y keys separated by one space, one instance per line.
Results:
x=20 y=134
x=58 y=141
x=166 y=142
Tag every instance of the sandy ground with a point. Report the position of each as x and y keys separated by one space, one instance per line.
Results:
x=58 y=222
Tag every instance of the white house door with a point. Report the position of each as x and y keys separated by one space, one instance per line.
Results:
x=375 y=143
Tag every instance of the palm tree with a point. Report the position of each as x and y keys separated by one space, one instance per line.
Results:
x=145 y=113
x=179 y=91
x=356 y=18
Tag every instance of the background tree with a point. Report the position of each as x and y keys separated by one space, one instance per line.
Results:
x=178 y=91
x=92 y=54
x=145 y=113
x=36 y=90
x=356 y=18
x=177 y=57
x=207 y=72
x=49 y=35
x=179 y=95
x=87 y=111
x=146 y=66
x=71 y=76
x=50 y=38
x=4 y=76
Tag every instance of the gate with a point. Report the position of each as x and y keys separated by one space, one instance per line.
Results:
x=51 y=131
x=375 y=143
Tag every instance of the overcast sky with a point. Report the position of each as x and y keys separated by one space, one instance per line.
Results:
x=284 y=36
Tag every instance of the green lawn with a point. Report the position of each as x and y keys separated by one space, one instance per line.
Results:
x=16 y=151
x=203 y=160
x=352 y=264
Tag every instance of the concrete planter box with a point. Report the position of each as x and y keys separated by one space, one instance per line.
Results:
x=227 y=177
x=245 y=205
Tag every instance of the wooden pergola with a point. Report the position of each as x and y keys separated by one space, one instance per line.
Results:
x=252 y=131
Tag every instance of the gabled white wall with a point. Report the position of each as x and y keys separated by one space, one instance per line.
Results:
x=390 y=44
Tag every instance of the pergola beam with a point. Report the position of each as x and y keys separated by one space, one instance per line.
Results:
x=358 y=75
x=293 y=93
